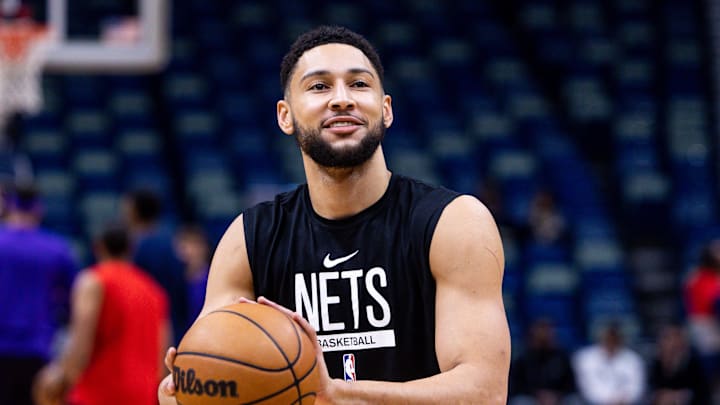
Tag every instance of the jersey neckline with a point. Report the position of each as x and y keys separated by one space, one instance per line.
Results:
x=354 y=219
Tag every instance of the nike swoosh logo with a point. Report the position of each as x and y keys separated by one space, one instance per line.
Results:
x=330 y=263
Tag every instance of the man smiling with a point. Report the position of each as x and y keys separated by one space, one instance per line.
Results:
x=400 y=279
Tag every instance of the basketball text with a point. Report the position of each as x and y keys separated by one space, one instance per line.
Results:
x=324 y=309
x=187 y=383
x=315 y=302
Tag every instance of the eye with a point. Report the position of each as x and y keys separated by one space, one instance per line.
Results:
x=318 y=86
x=360 y=83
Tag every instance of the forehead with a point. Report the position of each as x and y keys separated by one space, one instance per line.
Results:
x=333 y=58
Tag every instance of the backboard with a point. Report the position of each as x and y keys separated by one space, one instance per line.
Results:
x=98 y=36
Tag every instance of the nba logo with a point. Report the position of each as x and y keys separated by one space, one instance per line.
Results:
x=349 y=367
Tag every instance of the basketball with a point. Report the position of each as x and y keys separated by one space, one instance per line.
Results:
x=245 y=353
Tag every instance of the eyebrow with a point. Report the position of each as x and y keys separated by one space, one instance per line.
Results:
x=322 y=72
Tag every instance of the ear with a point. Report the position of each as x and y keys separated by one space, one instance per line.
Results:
x=387 y=111
x=284 y=117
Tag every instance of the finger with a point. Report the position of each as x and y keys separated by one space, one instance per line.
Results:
x=167 y=386
x=265 y=301
x=306 y=327
x=170 y=358
x=309 y=330
x=243 y=300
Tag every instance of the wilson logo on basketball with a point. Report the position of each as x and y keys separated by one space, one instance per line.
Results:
x=187 y=383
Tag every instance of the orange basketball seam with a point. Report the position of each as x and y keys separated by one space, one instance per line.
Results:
x=277 y=345
x=299 y=401
x=231 y=360
x=301 y=379
x=283 y=389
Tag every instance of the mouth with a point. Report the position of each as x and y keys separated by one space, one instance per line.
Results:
x=343 y=121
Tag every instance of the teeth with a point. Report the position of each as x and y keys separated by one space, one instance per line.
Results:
x=341 y=124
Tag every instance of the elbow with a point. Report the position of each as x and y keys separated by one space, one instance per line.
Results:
x=74 y=368
x=490 y=387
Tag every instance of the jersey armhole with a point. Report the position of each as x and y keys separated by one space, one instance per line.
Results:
x=426 y=216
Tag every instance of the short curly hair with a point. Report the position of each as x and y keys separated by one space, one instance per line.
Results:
x=322 y=35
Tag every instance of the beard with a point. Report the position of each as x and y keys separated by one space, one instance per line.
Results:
x=323 y=153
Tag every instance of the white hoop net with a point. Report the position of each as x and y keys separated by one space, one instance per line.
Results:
x=23 y=46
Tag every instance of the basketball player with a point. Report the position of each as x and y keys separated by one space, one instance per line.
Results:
x=400 y=282
x=119 y=330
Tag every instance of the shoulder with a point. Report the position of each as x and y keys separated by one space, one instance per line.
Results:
x=88 y=282
x=632 y=356
x=587 y=354
x=54 y=241
x=281 y=200
x=466 y=204
x=232 y=248
x=424 y=204
x=262 y=219
x=466 y=222
x=421 y=190
x=466 y=250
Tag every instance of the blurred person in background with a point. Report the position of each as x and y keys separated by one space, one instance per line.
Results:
x=542 y=374
x=609 y=372
x=193 y=250
x=702 y=300
x=154 y=252
x=676 y=376
x=36 y=273
x=119 y=330
x=547 y=224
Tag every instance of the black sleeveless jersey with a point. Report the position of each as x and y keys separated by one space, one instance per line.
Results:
x=363 y=282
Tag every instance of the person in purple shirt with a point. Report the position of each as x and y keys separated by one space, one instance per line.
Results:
x=36 y=272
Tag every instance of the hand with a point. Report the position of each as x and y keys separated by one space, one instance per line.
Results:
x=325 y=390
x=49 y=386
x=166 y=390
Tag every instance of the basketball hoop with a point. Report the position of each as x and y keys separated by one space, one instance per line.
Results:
x=23 y=45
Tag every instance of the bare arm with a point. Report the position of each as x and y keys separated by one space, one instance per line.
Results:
x=87 y=298
x=164 y=343
x=53 y=381
x=472 y=336
x=230 y=277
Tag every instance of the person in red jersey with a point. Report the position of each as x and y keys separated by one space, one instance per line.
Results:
x=702 y=297
x=118 y=312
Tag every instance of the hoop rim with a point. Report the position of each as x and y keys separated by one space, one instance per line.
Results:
x=17 y=37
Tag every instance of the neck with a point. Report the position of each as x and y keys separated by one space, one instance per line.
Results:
x=106 y=258
x=339 y=193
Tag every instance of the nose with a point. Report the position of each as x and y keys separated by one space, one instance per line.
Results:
x=341 y=99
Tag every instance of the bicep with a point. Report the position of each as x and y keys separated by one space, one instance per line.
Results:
x=467 y=262
x=87 y=299
x=230 y=277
